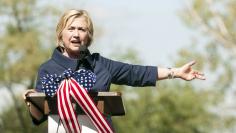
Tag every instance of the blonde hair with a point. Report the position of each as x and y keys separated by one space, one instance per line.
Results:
x=72 y=14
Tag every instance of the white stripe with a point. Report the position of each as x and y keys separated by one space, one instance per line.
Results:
x=95 y=108
x=71 y=109
x=86 y=113
x=59 y=107
x=88 y=108
x=66 y=111
x=91 y=112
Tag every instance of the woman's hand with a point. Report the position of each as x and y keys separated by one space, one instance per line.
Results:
x=32 y=109
x=25 y=95
x=187 y=73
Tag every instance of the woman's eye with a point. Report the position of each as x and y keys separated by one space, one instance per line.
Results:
x=82 y=29
x=70 y=28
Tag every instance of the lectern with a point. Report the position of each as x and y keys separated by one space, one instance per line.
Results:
x=108 y=103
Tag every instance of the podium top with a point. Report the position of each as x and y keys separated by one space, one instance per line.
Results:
x=40 y=94
x=109 y=103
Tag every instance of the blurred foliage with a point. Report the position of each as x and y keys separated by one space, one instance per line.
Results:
x=176 y=107
x=10 y=124
x=127 y=55
x=23 y=49
x=215 y=22
x=168 y=110
x=179 y=107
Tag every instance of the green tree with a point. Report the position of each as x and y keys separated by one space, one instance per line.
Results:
x=215 y=22
x=9 y=123
x=174 y=108
x=215 y=47
x=166 y=111
x=23 y=49
x=182 y=106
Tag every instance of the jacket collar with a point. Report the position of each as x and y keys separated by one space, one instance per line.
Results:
x=74 y=64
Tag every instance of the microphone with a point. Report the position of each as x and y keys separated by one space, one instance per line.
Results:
x=83 y=52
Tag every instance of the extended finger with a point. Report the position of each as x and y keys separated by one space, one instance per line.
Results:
x=198 y=76
x=191 y=63
x=198 y=72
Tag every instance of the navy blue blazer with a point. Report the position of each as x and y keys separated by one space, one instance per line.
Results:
x=107 y=71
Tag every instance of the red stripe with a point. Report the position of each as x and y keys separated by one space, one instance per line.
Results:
x=82 y=105
x=69 y=110
x=89 y=115
x=65 y=108
x=92 y=111
x=61 y=110
x=92 y=106
x=89 y=103
x=70 y=88
x=72 y=108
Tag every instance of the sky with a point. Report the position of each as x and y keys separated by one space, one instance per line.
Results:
x=151 y=27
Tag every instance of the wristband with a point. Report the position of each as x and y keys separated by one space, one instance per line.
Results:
x=170 y=74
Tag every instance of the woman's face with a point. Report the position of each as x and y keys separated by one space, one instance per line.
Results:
x=74 y=35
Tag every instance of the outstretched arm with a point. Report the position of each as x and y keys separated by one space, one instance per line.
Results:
x=185 y=72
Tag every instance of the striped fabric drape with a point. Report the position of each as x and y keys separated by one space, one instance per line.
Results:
x=69 y=89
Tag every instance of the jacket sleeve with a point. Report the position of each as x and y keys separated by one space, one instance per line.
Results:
x=41 y=73
x=38 y=88
x=132 y=75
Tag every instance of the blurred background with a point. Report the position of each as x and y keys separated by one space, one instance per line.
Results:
x=164 y=33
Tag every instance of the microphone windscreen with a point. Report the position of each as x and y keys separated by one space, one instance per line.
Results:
x=82 y=48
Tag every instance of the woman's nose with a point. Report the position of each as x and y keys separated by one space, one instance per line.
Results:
x=76 y=33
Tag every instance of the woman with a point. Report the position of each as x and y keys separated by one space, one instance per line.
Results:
x=94 y=72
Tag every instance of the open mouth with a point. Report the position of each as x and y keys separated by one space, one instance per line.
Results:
x=75 y=41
